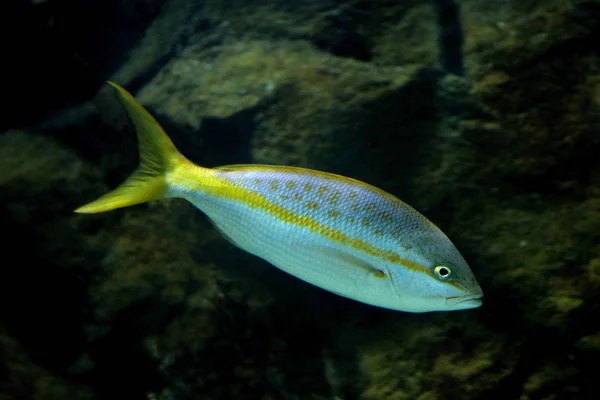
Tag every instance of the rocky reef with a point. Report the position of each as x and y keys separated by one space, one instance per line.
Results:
x=151 y=302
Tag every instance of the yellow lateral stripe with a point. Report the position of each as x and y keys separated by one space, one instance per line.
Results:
x=221 y=187
x=311 y=172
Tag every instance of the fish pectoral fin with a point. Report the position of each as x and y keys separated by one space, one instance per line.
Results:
x=350 y=259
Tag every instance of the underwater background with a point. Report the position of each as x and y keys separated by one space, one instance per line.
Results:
x=483 y=115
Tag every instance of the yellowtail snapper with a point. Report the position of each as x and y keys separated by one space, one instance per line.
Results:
x=337 y=233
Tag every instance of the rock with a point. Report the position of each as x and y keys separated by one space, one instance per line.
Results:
x=22 y=378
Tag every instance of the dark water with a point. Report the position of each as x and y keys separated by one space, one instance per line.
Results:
x=484 y=117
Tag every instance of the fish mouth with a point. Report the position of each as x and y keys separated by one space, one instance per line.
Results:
x=464 y=302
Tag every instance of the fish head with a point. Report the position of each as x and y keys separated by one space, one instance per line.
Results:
x=434 y=276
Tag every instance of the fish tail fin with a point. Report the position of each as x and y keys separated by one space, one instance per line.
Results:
x=158 y=157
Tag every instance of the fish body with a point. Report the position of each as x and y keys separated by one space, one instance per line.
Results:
x=337 y=233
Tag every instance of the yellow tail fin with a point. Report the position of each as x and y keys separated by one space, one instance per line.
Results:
x=158 y=156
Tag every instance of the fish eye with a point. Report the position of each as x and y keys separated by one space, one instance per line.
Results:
x=442 y=272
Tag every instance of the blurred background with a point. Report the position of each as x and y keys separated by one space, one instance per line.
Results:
x=484 y=116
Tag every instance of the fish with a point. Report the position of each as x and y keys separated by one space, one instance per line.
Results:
x=334 y=232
